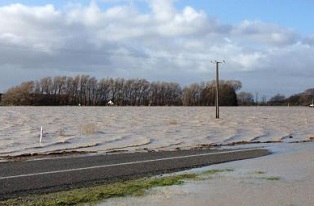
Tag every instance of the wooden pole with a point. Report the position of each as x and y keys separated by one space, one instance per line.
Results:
x=217 y=90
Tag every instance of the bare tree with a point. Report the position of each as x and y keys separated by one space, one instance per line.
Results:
x=46 y=85
x=245 y=98
x=103 y=91
x=19 y=95
x=191 y=95
x=235 y=84
x=277 y=100
x=92 y=84
x=86 y=90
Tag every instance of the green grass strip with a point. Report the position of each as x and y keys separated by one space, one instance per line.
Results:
x=98 y=193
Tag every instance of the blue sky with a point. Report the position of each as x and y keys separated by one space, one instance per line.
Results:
x=268 y=45
x=294 y=14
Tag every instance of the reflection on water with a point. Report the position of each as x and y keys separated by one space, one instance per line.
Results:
x=105 y=129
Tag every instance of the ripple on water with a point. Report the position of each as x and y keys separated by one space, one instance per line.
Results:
x=136 y=128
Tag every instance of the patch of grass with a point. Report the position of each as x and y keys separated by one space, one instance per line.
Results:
x=272 y=178
x=98 y=193
x=173 y=122
x=209 y=173
x=215 y=171
x=88 y=129
x=258 y=172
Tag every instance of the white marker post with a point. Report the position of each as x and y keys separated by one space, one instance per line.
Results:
x=41 y=134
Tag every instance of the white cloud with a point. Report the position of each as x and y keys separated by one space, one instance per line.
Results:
x=266 y=33
x=163 y=43
x=309 y=40
x=163 y=10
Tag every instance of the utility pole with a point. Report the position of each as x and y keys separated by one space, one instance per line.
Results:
x=217 y=86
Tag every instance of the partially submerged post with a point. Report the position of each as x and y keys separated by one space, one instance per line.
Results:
x=217 y=86
x=41 y=134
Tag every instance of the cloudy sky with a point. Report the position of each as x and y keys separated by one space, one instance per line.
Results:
x=267 y=44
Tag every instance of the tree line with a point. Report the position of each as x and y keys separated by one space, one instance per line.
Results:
x=88 y=91
x=302 y=99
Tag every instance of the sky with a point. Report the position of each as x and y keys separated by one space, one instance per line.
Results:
x=268 y=45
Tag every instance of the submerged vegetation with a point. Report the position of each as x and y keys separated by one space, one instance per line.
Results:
x=272 y=178
x=258 y=173
x=263 y=177
x=94 y=194
x=215 y=171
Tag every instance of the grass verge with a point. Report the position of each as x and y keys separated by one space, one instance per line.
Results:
x=91 y=195
x=97 y=193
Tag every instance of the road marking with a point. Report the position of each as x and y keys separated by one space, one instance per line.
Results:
x=121 y=164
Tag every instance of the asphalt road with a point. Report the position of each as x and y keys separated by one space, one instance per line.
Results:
x=48 y=175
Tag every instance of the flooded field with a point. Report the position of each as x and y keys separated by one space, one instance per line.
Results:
x=108 y=129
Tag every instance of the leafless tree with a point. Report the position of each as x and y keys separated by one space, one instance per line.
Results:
x=245 y=98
